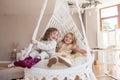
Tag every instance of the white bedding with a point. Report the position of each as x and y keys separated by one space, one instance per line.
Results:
x=76 y=61
x=80 y=68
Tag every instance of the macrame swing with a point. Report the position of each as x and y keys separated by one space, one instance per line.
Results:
x=62 y=20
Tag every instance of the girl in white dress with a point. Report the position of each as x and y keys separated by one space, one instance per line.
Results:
x=47 y=45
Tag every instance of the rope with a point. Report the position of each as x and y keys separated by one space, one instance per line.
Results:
x=37 y=28
x=82 y=25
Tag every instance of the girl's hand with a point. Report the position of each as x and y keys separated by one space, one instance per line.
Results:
x=34 y=42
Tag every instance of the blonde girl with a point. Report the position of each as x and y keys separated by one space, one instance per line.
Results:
x=65 y=48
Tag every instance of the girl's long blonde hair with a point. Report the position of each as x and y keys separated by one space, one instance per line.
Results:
x=73 y=38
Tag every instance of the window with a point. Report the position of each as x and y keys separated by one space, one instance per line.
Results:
x=109 y=35
x=109 y=26
x=109 y=18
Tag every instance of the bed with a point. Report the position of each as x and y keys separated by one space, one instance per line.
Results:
x=59 y=71
x=63 y=21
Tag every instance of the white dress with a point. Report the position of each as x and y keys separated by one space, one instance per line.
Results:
x=48 y=49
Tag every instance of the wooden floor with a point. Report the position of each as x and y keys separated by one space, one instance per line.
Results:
x=98 y=70
x=100 y=74
x=3 y=65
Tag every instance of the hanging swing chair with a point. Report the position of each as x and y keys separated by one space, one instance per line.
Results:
x=62 y=20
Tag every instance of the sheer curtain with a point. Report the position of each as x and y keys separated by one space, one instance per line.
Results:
x=110 y=42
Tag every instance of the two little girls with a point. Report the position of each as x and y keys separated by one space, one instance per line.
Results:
x=48 y=47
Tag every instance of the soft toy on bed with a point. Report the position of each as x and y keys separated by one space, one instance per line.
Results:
x=65 y=49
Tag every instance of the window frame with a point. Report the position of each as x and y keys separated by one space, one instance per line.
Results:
x=118 y=16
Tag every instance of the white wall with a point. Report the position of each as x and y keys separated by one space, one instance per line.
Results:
x=18 y=19
x=91 y=23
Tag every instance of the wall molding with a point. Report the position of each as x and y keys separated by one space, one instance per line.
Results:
x=5 y=61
